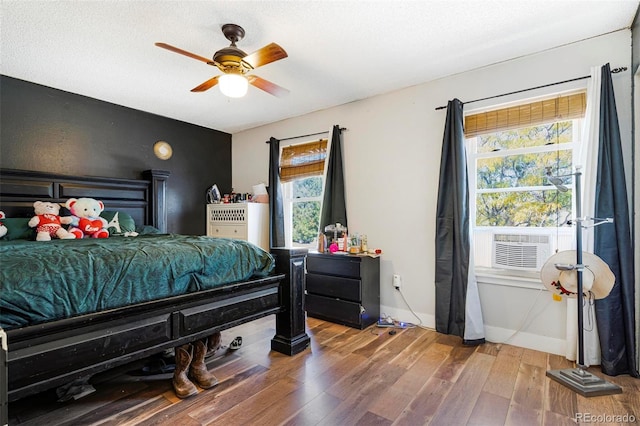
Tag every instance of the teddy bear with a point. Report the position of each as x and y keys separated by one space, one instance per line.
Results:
x=3 y=229
x=86 y=220
x=48 y=222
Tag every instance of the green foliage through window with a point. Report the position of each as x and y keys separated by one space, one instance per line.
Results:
x=309 y=187
x=306 y=209
x=523 y=208
x=512 y=188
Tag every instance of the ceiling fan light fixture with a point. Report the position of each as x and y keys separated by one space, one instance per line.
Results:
x=234 y=63
x=233 y=85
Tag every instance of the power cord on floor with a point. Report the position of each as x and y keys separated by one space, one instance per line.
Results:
x=419 y=324
x=401 y=324
x=524 y=321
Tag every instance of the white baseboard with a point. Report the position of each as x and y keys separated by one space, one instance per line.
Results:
x=523 y=339
x=493 y=334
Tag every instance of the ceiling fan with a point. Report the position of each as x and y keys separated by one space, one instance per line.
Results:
x=236 y=65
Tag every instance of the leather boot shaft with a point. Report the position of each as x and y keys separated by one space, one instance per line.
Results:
x=198 y=371
x=213 y=344
x=183 y=387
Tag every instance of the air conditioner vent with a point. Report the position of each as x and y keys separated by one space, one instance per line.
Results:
x=520 y=251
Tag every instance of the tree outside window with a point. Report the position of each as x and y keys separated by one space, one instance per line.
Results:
x=303 y=198
x=511 y=186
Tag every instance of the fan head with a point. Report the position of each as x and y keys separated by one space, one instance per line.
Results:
x=229 y=59
x=232 y=60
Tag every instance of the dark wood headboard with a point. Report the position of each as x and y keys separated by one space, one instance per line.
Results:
x=144 y=199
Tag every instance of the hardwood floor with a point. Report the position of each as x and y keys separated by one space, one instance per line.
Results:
x=347 y=377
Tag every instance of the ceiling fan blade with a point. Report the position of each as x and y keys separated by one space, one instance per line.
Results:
x=267 y=86
x=185 y=53
x=206 y=85
x=270 y=53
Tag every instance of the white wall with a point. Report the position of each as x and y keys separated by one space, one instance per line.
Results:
x=392 y=157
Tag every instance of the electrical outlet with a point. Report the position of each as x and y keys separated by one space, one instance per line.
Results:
x=397 y=281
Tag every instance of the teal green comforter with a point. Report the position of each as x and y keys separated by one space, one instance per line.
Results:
x=45 y=281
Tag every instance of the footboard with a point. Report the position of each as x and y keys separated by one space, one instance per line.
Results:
x=51 y=354
x=44 y=356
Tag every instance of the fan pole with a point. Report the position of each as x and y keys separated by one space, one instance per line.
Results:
x=579 y=271
x=579 y=379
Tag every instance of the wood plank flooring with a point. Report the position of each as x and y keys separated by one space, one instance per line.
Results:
x=347 y=377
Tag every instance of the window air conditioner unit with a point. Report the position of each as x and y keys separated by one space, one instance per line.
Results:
x=525 y=252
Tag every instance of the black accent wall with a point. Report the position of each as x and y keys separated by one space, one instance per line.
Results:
x=49 y=130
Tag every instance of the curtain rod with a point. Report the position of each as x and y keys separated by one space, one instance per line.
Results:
x=613 y=71
x=310 y=134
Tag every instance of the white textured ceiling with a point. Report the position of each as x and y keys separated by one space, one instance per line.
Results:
x=339 y=51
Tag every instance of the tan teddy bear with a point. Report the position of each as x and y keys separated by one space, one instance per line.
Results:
x=48 y=222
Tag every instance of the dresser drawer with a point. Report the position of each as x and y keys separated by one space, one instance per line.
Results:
x=339 y=311
x=337 y=287
x=227 y=231
x=227 y=213
x=334 y=265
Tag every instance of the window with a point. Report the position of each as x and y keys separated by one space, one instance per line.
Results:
x=510 y=151
x=302 y=175
x=302 y=201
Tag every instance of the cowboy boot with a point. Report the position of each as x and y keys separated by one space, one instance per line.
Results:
x=199 y=372
x=213 y=344
x=183 y=387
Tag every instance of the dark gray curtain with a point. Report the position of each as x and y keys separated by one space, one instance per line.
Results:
x=615 y=314
x=276 y=209
x=453 y=233
x=334 y=208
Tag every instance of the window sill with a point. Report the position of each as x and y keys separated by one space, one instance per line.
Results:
x=522 y=279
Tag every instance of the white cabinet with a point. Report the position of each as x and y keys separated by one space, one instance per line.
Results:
x=241 y=221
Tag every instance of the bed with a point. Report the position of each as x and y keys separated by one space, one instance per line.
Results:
x=104 y=324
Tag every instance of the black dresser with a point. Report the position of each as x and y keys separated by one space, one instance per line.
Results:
x=344 y=289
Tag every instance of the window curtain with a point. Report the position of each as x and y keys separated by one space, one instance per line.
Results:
x=276 y=209
x=587 y=157
x=334 y=207
x=458 y=310
x=615 y=315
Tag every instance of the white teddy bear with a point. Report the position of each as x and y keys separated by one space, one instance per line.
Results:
x=86 y=220
x=48 y=222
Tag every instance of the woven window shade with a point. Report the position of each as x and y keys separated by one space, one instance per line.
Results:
x=303 y=160
x=527 y=115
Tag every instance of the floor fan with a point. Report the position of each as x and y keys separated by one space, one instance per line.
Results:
x=564 y=277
